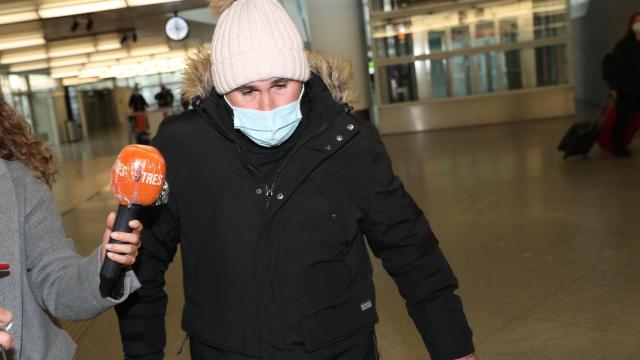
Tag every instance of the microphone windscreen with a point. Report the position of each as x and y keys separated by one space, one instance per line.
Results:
x=138 y=175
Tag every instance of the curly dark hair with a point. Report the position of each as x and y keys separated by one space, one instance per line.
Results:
x=17 y=143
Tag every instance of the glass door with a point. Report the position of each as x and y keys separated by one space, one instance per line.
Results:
x=486 y=80
x=511 y=69
x=439 y=74
x=461 y=70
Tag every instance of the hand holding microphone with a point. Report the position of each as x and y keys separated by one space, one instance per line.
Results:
x=137 y=180
x=6 y=341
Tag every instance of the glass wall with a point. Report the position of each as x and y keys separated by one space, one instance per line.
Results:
x=150 y=85
x=30 y=97
x=425 y=49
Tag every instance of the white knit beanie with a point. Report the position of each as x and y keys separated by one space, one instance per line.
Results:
x=255 y=40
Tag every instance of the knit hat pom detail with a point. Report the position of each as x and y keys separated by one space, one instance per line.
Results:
x=219 y=6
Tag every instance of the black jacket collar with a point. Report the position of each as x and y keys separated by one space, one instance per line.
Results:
x=319 y=110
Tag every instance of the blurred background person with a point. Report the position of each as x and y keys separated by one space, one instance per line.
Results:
x=164 y=97
x=625 y=82
x=138 y=122
x=137 y=103
x=47 y=276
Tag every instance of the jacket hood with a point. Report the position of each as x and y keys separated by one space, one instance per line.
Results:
x=334 y=72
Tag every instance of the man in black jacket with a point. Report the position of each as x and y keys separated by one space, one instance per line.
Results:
x=275 y=187
x=625 y=83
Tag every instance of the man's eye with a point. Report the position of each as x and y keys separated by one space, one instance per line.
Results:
x=281 y=85
x=247 y=92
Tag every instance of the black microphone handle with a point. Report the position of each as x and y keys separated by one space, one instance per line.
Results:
x=110 y=271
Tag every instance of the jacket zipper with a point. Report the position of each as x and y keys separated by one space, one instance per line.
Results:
x=284 y=163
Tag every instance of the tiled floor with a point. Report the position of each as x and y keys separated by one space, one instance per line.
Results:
x=547 y=251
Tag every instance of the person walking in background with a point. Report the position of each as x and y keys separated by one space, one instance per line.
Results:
x=165 y=97
x=278 y=189
x=625 y=83
x=137 y=103
x=47 y=277
x=138 y=122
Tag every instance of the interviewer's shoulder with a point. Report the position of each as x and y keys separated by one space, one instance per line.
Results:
x=28 y=188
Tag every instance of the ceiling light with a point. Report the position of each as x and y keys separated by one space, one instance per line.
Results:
x=63 y=72
x=61 y=8
x=134 y=60
x=148 y=2
x=37 y=65
x=108 y=42
x=171 y=54
x=99 y=64
x=72 y=81
x=108 y=55
x=149 y=50
x=21 y=40
x=24 y=55
x=15 y=12
x=71 y=47
x=94 y=72
x=67 y=61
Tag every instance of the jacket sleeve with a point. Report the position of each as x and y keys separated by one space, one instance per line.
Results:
x=399 y=234
x=617 y=66
x=63 y=282
x=141 y=317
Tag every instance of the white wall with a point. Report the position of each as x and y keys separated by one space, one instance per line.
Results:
x=594 y=35
x=337 y=28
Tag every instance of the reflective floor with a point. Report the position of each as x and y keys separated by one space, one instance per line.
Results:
x=547 y=251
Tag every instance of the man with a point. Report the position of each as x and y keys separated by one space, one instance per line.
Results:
x=138 y=121
x=275 y=185
x=137 y=103
x=625 y=84
x=164 y=97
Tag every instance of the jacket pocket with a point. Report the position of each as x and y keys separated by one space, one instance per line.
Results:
x=336 y=323
x=342 y=217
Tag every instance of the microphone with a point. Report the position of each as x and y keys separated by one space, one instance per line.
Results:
x=137 y=180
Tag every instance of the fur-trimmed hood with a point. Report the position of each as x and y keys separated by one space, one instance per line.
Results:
x=335 y=73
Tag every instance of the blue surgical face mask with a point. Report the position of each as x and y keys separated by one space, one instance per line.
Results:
x=268 y=128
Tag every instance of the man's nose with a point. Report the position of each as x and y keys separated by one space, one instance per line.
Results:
x=266 y=103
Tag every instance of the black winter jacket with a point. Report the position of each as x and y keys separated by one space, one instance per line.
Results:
x=626 y=67
x=285 y=263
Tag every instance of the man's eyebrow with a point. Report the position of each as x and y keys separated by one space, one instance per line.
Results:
x=278 y=81
x=247 y=88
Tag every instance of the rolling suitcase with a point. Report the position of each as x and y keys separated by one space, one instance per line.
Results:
x=605 y=140
x=580 y=138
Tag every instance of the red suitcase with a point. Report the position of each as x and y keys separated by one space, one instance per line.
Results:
x=607 y=129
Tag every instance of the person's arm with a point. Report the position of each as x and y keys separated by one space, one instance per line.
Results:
x=617 y=68
x=399 y=234
x=142 y=327
x=144 y=102
x=63 y=282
